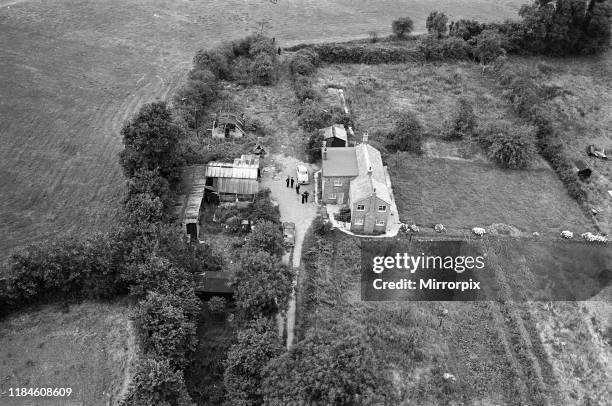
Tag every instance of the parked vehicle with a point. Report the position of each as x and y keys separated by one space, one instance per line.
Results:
x=302 y=174
x=289 y=233
x=600 y=153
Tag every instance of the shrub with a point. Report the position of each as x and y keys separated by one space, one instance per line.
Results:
x=167 y=328
x=214 y=60
x=488 y=46
x=262 y=208
x=320 y=226
x=435 y=49
x=255 y=345
x=510 y=146
x=263 y=284
x=304 y=62
x=407 y=134
x=143 y=208
x=264 y=69
x=314 y=146
x=402 y=27
x=370 y=54
x=303 y=88
x=217 y=305
x=328 y=367
x=463 y=121
x=311 y=116
x=266 y=236
x=156 y=383
x=465 y=29
x=436 y=24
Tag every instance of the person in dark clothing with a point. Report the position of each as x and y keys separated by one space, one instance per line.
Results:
x=303 y=197
x=306 y=196
x=297 y=189
x=292 y=182
x=279 y=50
x=287 y=180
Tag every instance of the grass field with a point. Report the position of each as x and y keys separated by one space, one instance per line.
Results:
x=464 y=194
x=72 y=71
x=501 y=352
x=88 y=347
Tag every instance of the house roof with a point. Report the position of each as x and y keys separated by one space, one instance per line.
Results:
x=369 y=157
x=364 y=186
x=340 y=161
x=335 y=131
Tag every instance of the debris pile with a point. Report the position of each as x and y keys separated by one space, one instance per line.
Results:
x=567 y=234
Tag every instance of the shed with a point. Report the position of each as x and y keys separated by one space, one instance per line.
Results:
x=582 y=169
x=189 y=204
x=215 y=283
x=235 y=181
x=335 y=135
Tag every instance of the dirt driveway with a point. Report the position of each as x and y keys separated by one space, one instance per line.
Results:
x=291 y=209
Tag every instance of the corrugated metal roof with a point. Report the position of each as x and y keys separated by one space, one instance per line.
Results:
x=229 y=171
x=237 y=186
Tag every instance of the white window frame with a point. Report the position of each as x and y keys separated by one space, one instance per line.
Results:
x=332 y=196
x=380 y=222
x=359 y=221
x=362 y=207
x=383 y=210
x=337 y=182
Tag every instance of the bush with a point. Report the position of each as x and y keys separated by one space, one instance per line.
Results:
x=402 y=27
x=311 y=116
x=465 y=29
x=262 y=208
x=335 y=367
x=320 y=226
x=463 y=121
x=436 y=24
x=266 y=236
x=407 y=134
x=257 y=344
x=314 y=146
x=304 y=62
x=167 y=328
x=371 y=54
x=488 y=46
x=264 y=69
x=156 y=383
x=435 y=49
x=303 y=88
x=217 y=305
x=215 y=60
x=263 y=284
x=509 y=145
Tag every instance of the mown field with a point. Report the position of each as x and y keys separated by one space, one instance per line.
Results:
x=88 y=347
x=72 y=71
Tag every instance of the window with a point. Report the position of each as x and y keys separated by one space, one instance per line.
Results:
x=337 y=182
x=382 y=208
x=332 y=196
x=360 y=207
x=359 y=221
x=380 y=222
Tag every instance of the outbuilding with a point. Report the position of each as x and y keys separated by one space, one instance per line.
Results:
x=335 y=136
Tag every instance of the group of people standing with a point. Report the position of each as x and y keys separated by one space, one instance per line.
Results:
x=290 y=182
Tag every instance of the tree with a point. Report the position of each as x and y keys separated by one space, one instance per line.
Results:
x=156 y=383
x=167 y=328
x=215 y=60
x=262 y=208
x=466 y=29
x=567 y=26
x=335 y=367
x=436 y=24
x=311 y=116
x=263 y=284
x=264 y=69
x=510 y=146
x=143 y=208
x=488 y=46
x=266 y=236
x=402 y=27
x=151 y=142
x=407 y=134
x=463 y=121
x=314 y=146
x=255 y=346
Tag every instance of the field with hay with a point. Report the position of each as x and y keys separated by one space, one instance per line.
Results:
x=72 y=72
x=89 y=347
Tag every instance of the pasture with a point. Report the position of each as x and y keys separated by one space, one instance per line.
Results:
x=88 y=347
x=73 y=71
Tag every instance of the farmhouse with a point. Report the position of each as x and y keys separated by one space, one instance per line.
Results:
x=335 y=136
x=236 y=181
x=355 y=176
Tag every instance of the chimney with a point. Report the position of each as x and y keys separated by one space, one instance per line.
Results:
x=324 y=150
x=365 y=138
